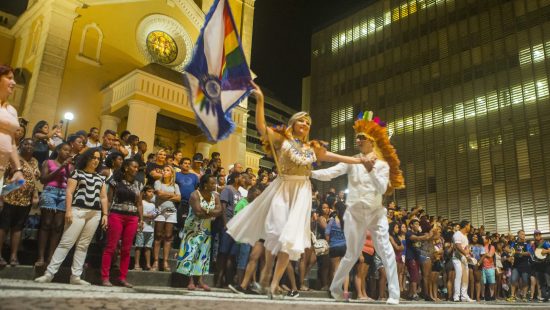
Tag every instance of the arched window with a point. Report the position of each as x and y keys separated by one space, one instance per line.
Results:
x=90 y=44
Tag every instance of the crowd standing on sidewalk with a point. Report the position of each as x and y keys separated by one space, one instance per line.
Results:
x=103 y=181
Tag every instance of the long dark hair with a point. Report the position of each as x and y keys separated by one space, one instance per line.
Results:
x=38 y=127
x=85 y=157
x=340 y=210
x=392 y=229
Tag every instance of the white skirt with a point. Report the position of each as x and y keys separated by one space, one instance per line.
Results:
x=280 y=215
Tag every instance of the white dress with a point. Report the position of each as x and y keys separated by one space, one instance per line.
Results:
x=281 y=214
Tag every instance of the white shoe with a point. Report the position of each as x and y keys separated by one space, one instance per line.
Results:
x=46 y=278
x=338 y=295
x=78 y=281
x=392 y=301
x=467 y=299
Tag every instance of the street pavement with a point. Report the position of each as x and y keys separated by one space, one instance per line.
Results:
x=23 y=294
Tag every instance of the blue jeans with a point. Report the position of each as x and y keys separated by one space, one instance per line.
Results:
x=53 y=198
x=244 y=253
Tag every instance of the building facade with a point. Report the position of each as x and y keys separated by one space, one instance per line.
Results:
x=276 y=113
x=116 y=64
x=463 y=86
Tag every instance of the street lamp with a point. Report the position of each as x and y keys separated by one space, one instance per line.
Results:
x=68 y=117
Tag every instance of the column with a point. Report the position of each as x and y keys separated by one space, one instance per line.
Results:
x=142 y=121
x=233 y=149
x=108 y=122
x=204 y=149
x=45 y=85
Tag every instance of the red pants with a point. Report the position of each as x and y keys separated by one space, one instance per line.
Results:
x=119 y=227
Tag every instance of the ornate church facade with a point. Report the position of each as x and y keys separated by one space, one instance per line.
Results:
x=116 y=64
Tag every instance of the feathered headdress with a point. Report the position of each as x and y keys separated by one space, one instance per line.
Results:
x=376 y=131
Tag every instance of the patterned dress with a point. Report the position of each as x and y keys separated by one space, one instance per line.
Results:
x=194 y=253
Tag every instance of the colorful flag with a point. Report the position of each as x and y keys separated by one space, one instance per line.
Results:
x=218 y=77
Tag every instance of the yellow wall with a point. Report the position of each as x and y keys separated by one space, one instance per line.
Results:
x=6 y=49
x=82 y=82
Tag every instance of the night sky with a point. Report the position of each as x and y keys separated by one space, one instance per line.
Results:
x=281 y=41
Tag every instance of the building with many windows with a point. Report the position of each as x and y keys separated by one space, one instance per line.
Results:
x=276 y=113
x=463 y=86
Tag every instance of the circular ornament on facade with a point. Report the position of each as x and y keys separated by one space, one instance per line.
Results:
x=162 y=47
x=162 y=39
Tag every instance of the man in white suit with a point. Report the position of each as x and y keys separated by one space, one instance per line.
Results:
x=367 y=184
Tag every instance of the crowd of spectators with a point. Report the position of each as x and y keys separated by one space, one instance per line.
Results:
x=154 y=202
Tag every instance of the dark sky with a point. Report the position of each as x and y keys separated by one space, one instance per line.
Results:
x=281 y=41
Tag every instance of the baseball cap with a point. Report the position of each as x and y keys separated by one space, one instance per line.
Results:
x=198 y=157
x=537 y=232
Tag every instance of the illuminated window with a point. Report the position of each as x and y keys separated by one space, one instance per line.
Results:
x=341 y=116
x=534 y=54
x=338 y=144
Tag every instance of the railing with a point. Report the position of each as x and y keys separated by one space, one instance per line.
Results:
x=141 y=83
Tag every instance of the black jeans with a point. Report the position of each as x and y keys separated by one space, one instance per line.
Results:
x=542 y=272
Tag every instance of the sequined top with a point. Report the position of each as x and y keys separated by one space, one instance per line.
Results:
x=295 y=158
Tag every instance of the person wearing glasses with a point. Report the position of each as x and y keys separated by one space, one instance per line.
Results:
x=86 y=206
x=281 y=214
x=367 y=184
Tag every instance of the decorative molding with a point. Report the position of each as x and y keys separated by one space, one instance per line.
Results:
x=192 y=11
x=86 y=58
x=148 y=86
x=174 y=29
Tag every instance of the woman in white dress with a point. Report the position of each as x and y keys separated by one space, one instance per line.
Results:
x=280 y=215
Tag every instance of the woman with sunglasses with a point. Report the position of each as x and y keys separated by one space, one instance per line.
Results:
x=86 y=206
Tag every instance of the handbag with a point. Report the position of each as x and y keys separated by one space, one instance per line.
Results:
x=320 y=245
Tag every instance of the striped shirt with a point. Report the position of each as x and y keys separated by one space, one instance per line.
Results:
x=88 y=189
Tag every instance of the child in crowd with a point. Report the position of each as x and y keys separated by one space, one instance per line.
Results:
x=145 y=236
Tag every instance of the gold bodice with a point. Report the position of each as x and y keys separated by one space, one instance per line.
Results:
x=295 y=158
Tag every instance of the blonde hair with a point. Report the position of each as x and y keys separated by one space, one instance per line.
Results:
x=172 y=178
x=294 y=119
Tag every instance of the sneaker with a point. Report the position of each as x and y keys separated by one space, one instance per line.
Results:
x=78 y=281
x=293 y=294
x=256 y=288
x=392 y=301
x=415 y=297
x=46 y=278
x=467 y=299
x=237 y=289
x=511 y=299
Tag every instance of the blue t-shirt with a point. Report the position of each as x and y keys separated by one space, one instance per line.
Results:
x=231 y=198
x=187 y=182
x=334 y=231
x=477 y=251
x=412 y=249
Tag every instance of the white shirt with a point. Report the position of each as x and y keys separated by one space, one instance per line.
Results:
x=148 y=209
x=243 y=191
x=91 y=144
x=460 y=240
x=364 y=187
